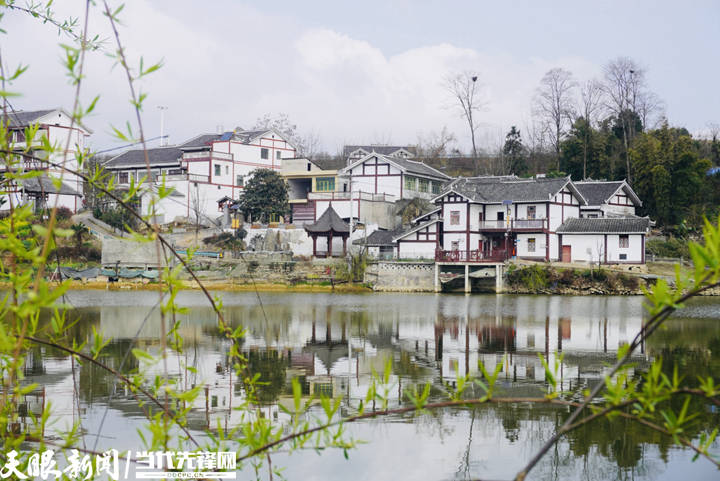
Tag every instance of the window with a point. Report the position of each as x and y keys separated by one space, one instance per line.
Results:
x=239 y=180
x=325 y=184
x=277 y=155
x=423 y=185
x=531 y=244
x=409 y=183
x=309 y=166
x=436 y=188
x=624 y=241
x=217 y=170
x=123 y=178
x=623 y=257
x=531 y=212
x=323 y=390
x=274 y=217
x=264 y=154
x=227 y=170
x=455 y=217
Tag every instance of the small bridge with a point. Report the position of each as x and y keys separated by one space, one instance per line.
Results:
x=475 y=264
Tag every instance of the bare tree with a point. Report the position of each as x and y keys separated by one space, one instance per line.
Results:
x=626 y=96
x=434 y=145
x=591 y=105
x=554 y=105
x=464 y=88
x=650 y=108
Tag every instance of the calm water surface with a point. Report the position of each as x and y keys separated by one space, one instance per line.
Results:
x=332 y=342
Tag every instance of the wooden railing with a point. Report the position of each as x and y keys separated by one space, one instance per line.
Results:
x=496 y=255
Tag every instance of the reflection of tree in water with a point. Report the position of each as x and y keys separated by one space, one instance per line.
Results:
x=95 y=382
x=272 y=367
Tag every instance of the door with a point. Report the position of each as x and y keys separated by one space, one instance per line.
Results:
x=566 y=254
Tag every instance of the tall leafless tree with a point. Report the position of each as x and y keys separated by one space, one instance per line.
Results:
x=625 y=89
x=554 y=105
x=590 y=108
x=434 y=145
x=465 y=89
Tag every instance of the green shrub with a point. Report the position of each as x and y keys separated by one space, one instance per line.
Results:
x=673 y=247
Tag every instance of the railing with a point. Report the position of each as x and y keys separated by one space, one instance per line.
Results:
x=206 y=154
x=514 y=224
x=198 y=177
x=496 y=255
x=346 y=196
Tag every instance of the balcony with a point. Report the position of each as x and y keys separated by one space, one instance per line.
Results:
x=207 y=154
x=346 y=196
x=514 y=225
x=477 y=256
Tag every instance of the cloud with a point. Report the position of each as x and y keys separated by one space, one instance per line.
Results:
x=231 y=68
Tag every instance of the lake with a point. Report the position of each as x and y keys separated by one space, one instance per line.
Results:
x=332 y=343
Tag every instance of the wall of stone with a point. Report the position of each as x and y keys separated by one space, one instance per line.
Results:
x=401 y=276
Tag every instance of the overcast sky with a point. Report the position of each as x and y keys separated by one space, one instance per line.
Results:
x=370 y=71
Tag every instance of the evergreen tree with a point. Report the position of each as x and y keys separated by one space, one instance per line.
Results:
x=265 y=194
x=514 y=151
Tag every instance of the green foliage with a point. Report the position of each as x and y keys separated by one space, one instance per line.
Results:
x=265 y=194
x=672 y=247
x=515 y=152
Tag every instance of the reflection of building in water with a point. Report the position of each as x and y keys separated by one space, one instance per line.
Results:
x=332 y=345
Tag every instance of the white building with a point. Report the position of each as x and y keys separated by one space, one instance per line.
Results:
x=607 y=198
x=202 y=170
x=69 y=138
x=491 y=219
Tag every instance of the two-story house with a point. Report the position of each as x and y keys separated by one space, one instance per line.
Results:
x=202 y=170
x=355 y=152
x=69 y=138
x=311 y=181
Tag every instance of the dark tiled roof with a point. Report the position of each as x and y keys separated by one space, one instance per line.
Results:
x=136 y=158
x=627 y=225
x=44 y=185
x=498 y=189
x=330 y=220
x=202 y=140
x=597 y=193
x=414 y=228
x=23 y=119
x=245 y=136
x=380 y=149
x=418 y=168
x=379 y=238
x=329 y=164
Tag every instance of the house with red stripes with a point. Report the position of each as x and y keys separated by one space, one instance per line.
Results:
x=201 y=170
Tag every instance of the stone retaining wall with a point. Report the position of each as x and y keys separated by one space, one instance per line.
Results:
x=401 y=276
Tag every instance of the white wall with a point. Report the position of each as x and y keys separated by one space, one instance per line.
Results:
x=416 y=250
x=591 y=247
x=540 y=245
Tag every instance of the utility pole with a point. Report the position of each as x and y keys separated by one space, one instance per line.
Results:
x=162 y=110
x=349 y=254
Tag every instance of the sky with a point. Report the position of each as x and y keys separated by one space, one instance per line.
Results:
x=364 y=72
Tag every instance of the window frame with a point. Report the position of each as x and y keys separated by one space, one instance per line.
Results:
x=264 y=153
x=454 y=217
x=532 y=244
x=624 y=241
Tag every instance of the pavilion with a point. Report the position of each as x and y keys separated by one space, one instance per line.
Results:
x=329 y=225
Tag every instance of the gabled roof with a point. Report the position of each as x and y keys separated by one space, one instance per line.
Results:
x=426 y=214
x=598 y=192
x=199 y=141
x=44 y=185
x=605 y=225
x=329 y=221
x=407 y=166
x=22 y=118
x=495 y=190
x=380 y=149
x=136 y=158
x=414 y=229
x=329 y=164
x=378 y=238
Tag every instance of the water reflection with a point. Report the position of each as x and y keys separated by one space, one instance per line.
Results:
x=332 y=343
